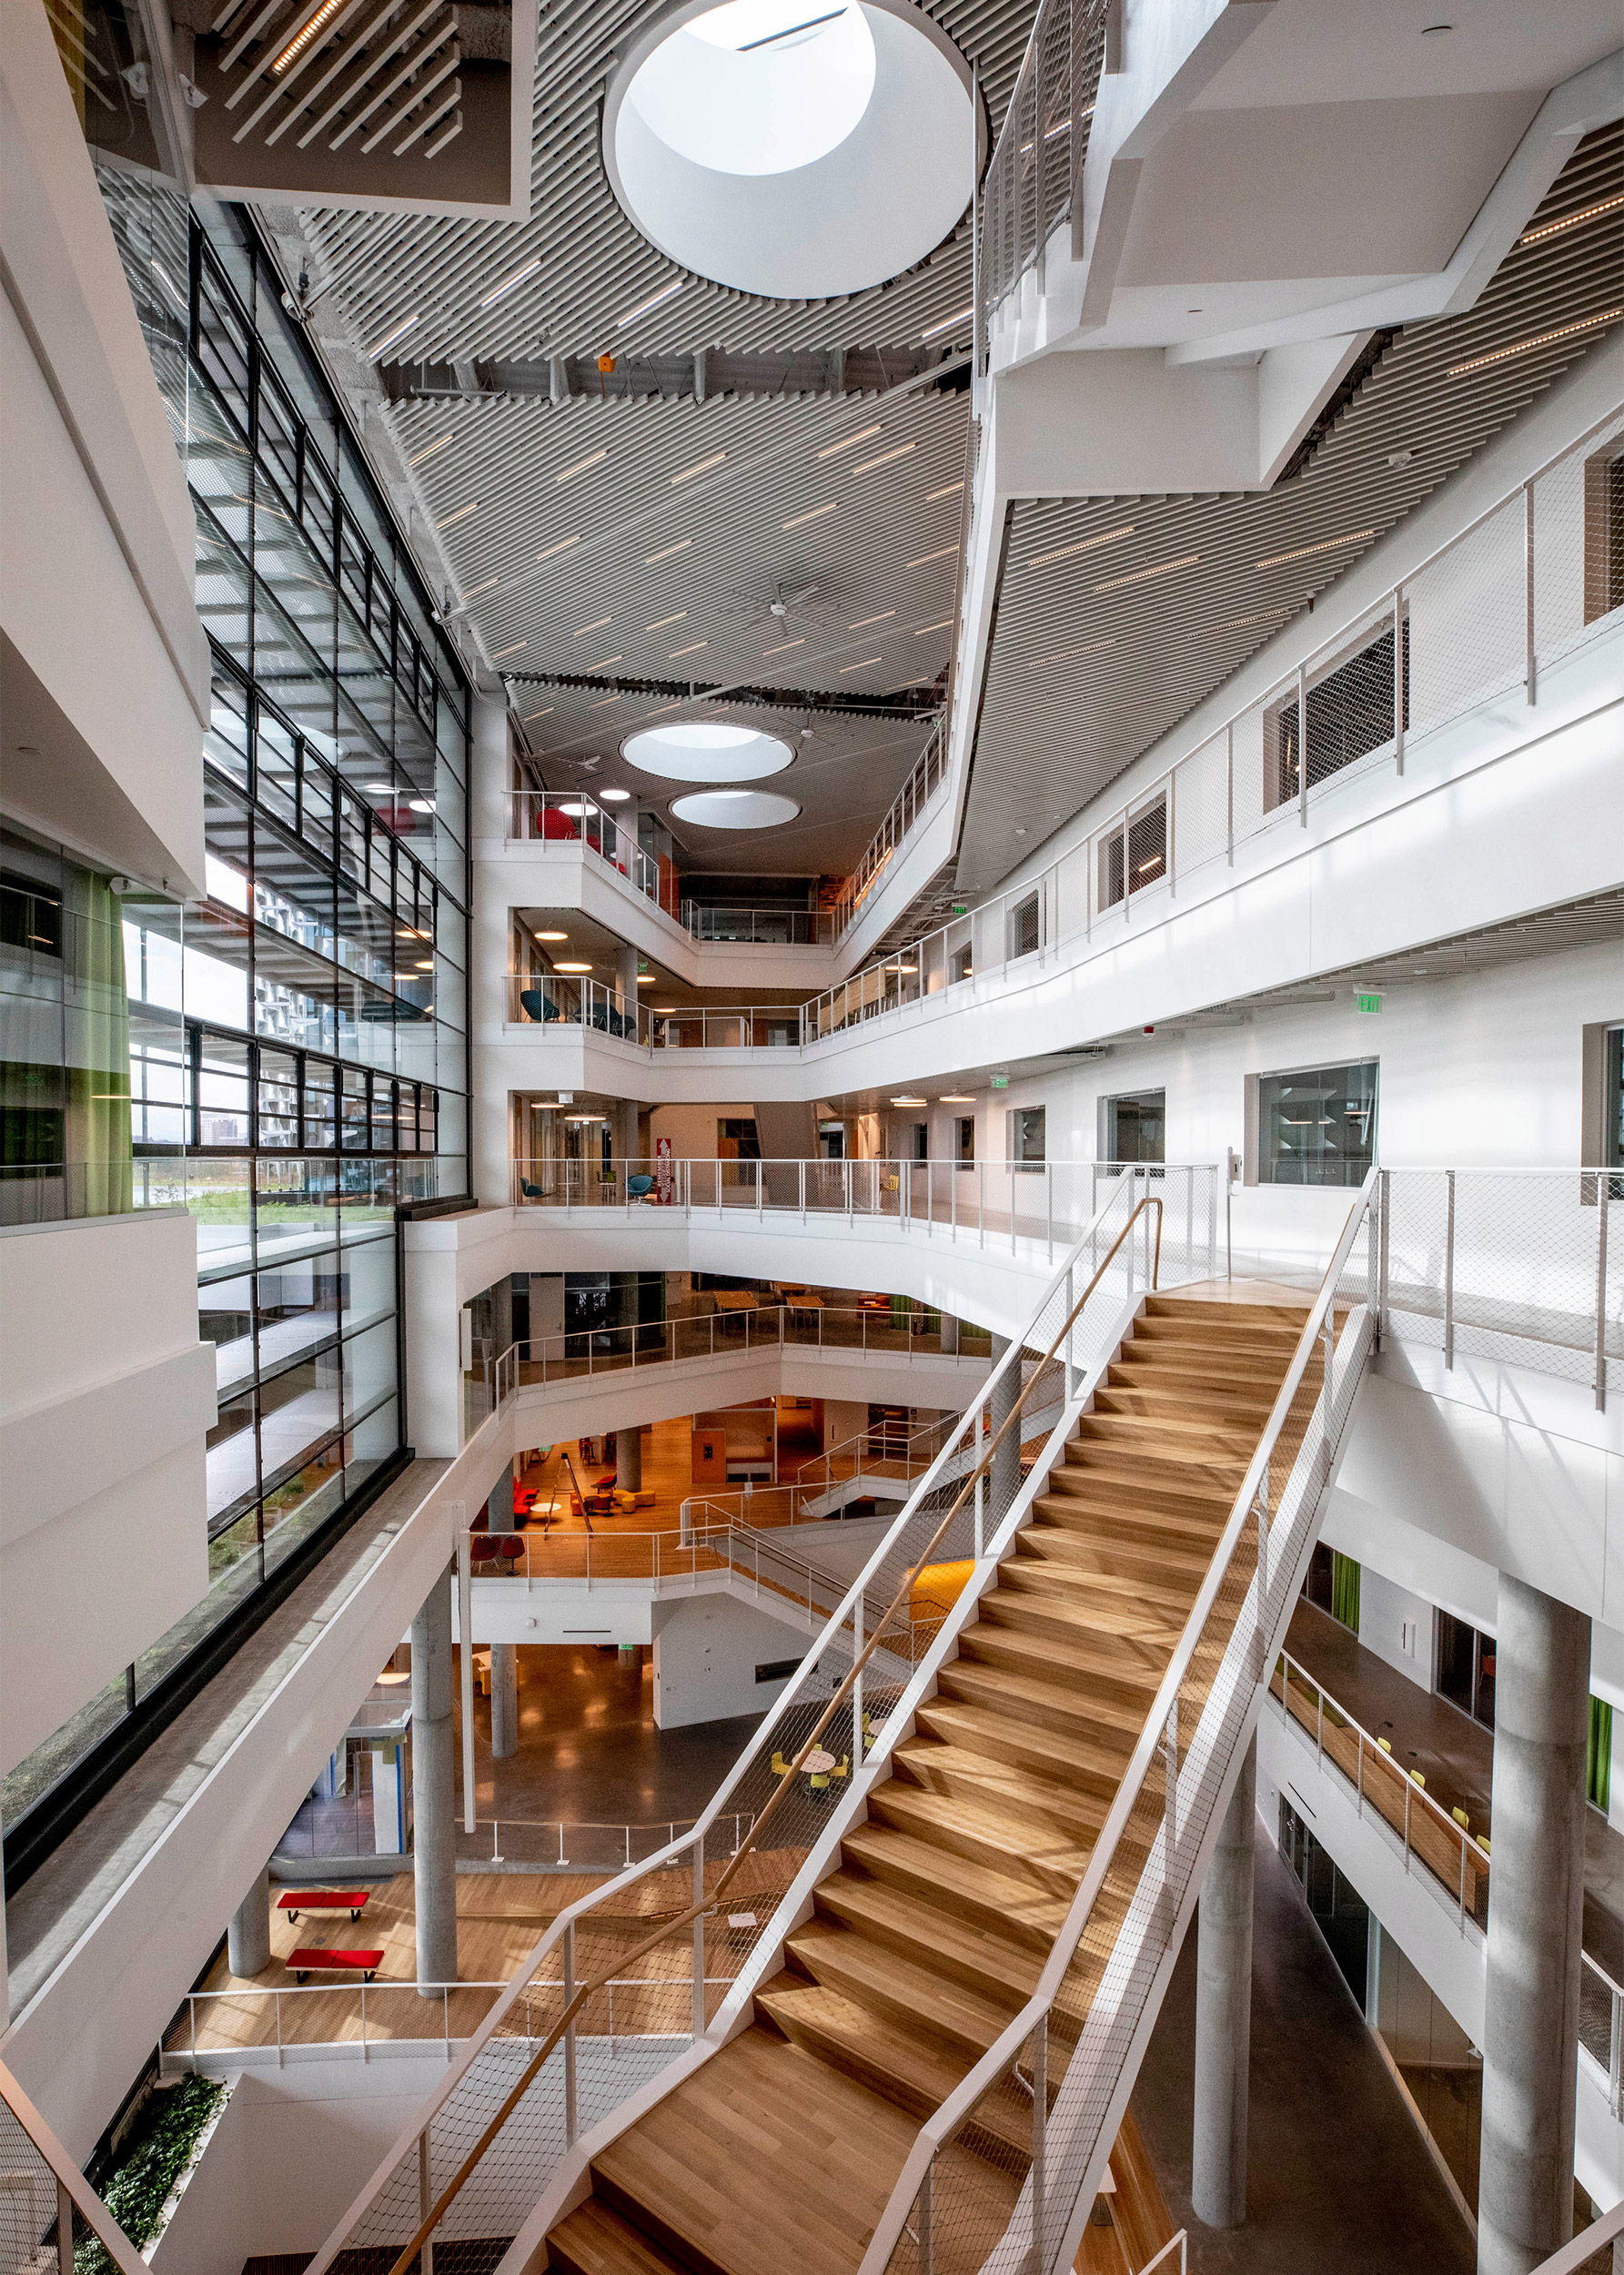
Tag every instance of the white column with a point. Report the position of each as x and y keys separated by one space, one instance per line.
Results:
x=1224 y=2012
x=247 y=1939
x=434 y=1786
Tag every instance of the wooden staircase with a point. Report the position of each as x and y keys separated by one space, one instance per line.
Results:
x=782 y=2148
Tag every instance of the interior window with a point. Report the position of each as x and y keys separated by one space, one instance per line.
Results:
x=1349 y=710
x=1317 y=1126
x=1135 y=1127
x=1027 y=1136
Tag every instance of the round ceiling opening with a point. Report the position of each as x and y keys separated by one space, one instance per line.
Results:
x=793 y=150
x=735 y=809
x=703 y=753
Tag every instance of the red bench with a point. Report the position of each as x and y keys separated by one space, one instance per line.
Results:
x=312 y=1959
x=351 y=1900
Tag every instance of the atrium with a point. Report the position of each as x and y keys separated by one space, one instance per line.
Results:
x=817 y=1465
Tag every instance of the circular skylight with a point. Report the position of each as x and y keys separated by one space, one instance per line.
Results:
x=703 y=753
x=792 y=149
x=735 y=809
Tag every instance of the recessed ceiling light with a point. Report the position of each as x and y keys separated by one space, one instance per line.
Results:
x=954 y=1098
x=461 y=514
x=574 y=809
x=692 y=648
x=500 y=652
x=507 y=283
x=645 y=979
x=703 y=752
x=562 y=546
x=833 y=449
x=860 y=664
x=942 y=626
x=910 y=1101
x=867 y=465
x=662 y=622
x=948 y=322
x=784 y=646
x=422 y=805
x=952 y=490
x=571 y=967
x=603 y=663
x=1083 y=545
x=389 y=338
x=613 y=797
x=653 y=301
x=1525 y=347
x=377 y=789
x=1571 y=220
x=426 y=967
x=596 y=625
x=680 y=546
x=1326 y=545
x=735 y=809
x=702 y=466
x=557 y=935
x=862 y=620
x=581 y=464
x=945 y=554
x=429 y=451
x=795 y=520
x=1140 y=576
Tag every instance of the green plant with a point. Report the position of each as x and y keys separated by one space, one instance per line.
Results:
x=154 y=2157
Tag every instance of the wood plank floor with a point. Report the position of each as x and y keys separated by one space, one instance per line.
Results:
x=781 y=2149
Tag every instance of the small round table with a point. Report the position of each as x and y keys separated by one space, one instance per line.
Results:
x=818 y=1764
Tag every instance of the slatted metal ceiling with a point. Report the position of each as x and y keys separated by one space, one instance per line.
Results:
x=592 y=265
x=1081 y=681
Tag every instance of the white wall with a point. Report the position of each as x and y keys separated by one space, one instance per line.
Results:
x=706 y=1653
x=1397 y=1625
x=105 y=1398
x=104 y=734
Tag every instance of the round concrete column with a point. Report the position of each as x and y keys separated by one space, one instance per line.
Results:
x=629 y=1460
x=1004 y=1478
x=247 y=1939
x=504 y=1658
x=1535 y=1899
x=1223 y=2012
x=433 y=1787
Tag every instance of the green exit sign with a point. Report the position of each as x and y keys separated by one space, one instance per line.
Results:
x=1368 y=1002
x=961 y=908
x=998 y=1082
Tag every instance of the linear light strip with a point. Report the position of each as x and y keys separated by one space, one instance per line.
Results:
x=562 y=546
x=1083 y=545
x=461 y=514
x=704 y=467
x=925 y=559
x=581 y=464
x=507 y=283
x=867 y=465
x=833 y=449
x=389 y=338
x=1572 y=220
x=948 y=322
x=1525 y=347
x=1138 y=576
x=693 y=649
x=653 y=301
x=430 y=451
x=862 y=620
x=500 y=652
x=596 y=625
x=795 y=520
x=679 y=547
x=302 y=39
x=862 y=663
x=1326 y=545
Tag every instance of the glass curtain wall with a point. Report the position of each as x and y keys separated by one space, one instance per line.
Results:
x=286 y=1057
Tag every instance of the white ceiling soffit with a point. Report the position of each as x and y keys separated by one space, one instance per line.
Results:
x=1092 y=659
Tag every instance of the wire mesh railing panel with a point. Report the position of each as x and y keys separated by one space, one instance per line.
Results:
x=1467 y=615
x=1572 y=587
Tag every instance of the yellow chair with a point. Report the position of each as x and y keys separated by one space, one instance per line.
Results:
x=1461 y=1819
x=1417 y=1778
x=781 y=1768
x=1385 y=1746
x=820 y=1783
x=845 y=1764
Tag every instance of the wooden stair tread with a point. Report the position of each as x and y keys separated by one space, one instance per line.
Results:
x=915 y=2072
x=896 y=1987
x=942 y=1765
x=984 y=1731
x=1036 y=1573
x=978 y=1957
x=1050 y=1705
x=1000 y=1645
x=1114 y=1527
x=1013 y=1906
x=983 y=1833
x=1102 y=1623
x=594 y=2240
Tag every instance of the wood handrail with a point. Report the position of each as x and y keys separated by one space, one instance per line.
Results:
x=670 y=1927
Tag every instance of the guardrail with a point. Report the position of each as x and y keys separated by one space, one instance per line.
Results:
x=1036 y=166
x=1097 y=1998
x=47 y=2199
x=496 y=2119
x=1601 y=2028
x=910 y=805
x=1395 y=1798
x=574 y=817
x=766 y=927
x=651 y=1837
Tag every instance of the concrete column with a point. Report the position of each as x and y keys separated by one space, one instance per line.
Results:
x=1223 y=2012
x=1004 y=1478
x=434 y=1786
x=626 y=963
x=629 y=1460
x=504 y=1661
x=1535 y=1893
x=247 y=1939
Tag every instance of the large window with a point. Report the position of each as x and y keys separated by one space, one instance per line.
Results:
x=1028 y=1128
x=1136 y=1127
x=1135 y=854
x=1317 y=1126
x=1348 y=711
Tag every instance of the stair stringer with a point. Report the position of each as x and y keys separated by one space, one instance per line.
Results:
x=572 y=2181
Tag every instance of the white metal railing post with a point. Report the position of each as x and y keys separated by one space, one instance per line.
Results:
x=1040 y=2125
x=464 y=1613
x=1603 y=1182
x=1530 y=665
x=1615 y=2058
x=1303 y=745
x=857 y=1685
x=425 y=2197
x=698 y=2017
x=1229 y=790
x=1398 y=679
x=1049 y=1206
x=571 y=2110
x=1449 y=1271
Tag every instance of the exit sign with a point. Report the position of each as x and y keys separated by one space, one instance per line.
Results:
x=998 y=1082
x=1368 y=1002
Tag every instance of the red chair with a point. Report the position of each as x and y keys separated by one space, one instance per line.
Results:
x=557 y=825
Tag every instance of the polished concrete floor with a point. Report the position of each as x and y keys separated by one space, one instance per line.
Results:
x=1340 y=2181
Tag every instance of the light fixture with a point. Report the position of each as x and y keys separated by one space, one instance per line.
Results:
x=1083 y=545
x=862 y=620
x=833 y=449
x=596 y=625
x=555 y=935
x=867 y=465
x=702 y=466
x=378 y=789
x=942 y=626
x=500 y=652
x=429 y=449
x=1571 y=220
x=861 y=665
x=945 y=554
x=735 y=809
x=653 y=301
x=692 y=648
x=816 y=513
x=707 y=752
x=784 y=646
x=680 y=546
x=301 y=39
x=581 y=464
x=613 y=797
x=603 y=663
x=662 y=622
x=1525 y=347
x=461 y=514
x=645 y=979
x=422 y=805
x=1326 y=545
x=562 y=546
x=546 y=711
x=571 y=967
x=952 y=490
x=907 y=970
x=910 y=1101
x=954 y=1098
x=574 y=809
x=474 y=590
x=426 y=967
x=948 y=322
x=507 y=283
x=1142 y=576
x=389 y=338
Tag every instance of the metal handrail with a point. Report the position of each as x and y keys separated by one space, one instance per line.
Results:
x=939 y=2128
x=670 y=1927
x=74 y=2192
